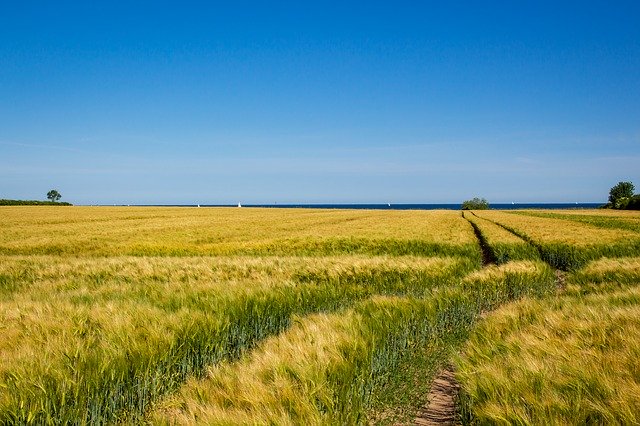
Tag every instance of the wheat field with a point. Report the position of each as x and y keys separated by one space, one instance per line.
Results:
x=564 y=243
x=276 y=316
x=568 y=360
x=140 y=231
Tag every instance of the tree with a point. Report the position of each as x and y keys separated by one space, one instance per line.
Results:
x=475 y=204
x=634 y=203
x=620 y=195
x=54 y=195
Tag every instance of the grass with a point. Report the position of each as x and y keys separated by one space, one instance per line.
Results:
x=566 y=244
x=570 y=359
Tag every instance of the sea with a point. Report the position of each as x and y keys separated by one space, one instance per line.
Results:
x=505 y=206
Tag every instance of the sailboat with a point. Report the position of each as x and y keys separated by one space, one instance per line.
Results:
x=239 y=205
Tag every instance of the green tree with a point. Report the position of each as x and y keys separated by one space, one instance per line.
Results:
x=475 y=204
x=634 y=203
x=620 y=195
x=54 y=195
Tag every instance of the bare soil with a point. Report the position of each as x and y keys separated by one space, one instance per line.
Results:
x=440 y=408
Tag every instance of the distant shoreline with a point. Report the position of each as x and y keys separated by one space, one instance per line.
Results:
x=4 y=202
x=500 y=206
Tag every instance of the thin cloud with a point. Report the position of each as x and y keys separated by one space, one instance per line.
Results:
x=43 y=146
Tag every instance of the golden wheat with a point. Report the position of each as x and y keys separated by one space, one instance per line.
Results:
x=109 y=329
x=105 y=311
x=504 y=246
x=321 y=370
x=621 y=214
x=549 y=230
x=206 y=231
x=570 y=359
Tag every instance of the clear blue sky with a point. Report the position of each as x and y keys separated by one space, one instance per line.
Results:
x=262 y=102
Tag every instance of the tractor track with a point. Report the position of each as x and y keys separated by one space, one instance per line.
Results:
x=441 y=406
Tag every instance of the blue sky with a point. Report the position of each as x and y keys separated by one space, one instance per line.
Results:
x=312 y=102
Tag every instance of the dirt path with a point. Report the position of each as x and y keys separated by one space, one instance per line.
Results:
x=561 y=280
x=440 y=408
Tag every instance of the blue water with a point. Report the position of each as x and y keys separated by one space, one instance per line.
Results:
x=508 y=206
